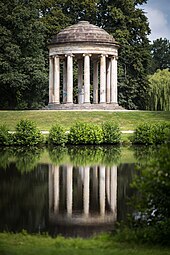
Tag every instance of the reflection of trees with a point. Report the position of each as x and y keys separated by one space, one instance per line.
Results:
x=125 y=191
x=25 y=158
x=87 y=155
x=5 y=155
x=146 y=153
x=58 y=154
x=153 y=204
x=23 y=199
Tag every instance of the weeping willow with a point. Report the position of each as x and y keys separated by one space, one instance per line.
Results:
x=159 y=91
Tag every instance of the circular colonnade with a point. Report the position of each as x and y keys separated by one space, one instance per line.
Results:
x=93 y=53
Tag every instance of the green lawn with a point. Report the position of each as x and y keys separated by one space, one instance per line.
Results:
x=45 y=119
x=20 y=244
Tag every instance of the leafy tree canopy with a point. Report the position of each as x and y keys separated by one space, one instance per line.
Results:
x=160 y=52
x=159 y=91
x=22 y=67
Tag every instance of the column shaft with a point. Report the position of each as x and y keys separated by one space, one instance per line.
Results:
x=86 y=78
x=102 y=190
x=64 y=81
x=114 y=80
x=51 y=79
x=50 y=188
x=69 y=189
x=108 y=184
x=56 y=80
x=103 y=79
x=113 y=194
x=56 y=188
x=108 y=80
x=80 y=82
x=86 y=190
x=70 y=79
x=95 y=82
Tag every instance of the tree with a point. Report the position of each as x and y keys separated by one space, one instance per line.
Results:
x=130 y=28
x=159 y=91
x=23 y=76
x=160 y=51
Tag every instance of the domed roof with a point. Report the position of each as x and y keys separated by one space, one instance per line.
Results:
x=83 y=31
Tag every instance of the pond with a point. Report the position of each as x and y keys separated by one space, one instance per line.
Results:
x=72 y=191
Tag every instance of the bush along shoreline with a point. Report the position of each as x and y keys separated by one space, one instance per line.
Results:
x=147 y=133
x=27 y=134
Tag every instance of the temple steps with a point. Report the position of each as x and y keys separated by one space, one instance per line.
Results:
x=85 y=106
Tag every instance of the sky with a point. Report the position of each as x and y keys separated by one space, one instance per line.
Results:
x=158 y=13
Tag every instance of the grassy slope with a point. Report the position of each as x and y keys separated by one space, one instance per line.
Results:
x=45 y=119
x=17 y=244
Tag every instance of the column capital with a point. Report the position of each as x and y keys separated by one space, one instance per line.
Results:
x=69 y=55
x=114 y=57
x=104 y=55
x=86 y=54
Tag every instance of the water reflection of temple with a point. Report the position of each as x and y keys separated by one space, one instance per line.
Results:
x=82 y=199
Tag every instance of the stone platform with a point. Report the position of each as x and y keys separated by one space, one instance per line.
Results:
x=84 y=107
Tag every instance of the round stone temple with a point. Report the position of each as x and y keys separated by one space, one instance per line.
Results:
x=93 y=53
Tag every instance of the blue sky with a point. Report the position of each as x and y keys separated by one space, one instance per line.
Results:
x=158 y=13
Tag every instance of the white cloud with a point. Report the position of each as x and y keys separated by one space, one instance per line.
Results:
x=158 y=21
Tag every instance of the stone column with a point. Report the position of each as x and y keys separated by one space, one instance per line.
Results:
x=86 y=78
x=69 y=189
x=113 y=194
x=108 y=66
x=80 y=82
x=70 y=79
x=108 y=184
x=56 y=79
x=102 y=190
x=56 y=189
x=64 y=81
x=103 y=79
x=50 y=188
x=94 y=190
x=95 y=82
x=86 y=190
x=114 y=80
x=51 y=79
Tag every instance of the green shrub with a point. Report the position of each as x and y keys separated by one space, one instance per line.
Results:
x=5 y=136
x=152 y=133
x=57 y=135
x=85 y=133
x=161 y=133
x=111 y=132
x=143 y=134
x=27 y=134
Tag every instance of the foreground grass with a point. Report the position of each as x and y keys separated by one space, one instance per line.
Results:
x=17 y=244
x=45 y=119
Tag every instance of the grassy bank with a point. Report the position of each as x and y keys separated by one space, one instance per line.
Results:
x=19 y=244
x=45 y=119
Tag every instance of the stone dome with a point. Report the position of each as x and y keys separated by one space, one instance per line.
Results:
x=83 y=31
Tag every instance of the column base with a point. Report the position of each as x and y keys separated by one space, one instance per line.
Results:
x=84 y=106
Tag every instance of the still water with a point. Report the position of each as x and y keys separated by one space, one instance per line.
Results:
x=74 y=191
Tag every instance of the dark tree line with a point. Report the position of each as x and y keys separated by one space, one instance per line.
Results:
x=27 y=25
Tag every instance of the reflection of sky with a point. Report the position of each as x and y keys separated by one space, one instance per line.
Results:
x=158 y=13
